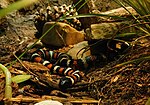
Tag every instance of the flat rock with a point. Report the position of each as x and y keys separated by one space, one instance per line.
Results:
x=104 y=30
x=74 y=52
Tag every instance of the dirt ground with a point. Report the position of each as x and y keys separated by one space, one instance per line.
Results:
x=112 y=84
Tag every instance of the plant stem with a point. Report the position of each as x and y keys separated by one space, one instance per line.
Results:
x=8 y=89
x=16 y=6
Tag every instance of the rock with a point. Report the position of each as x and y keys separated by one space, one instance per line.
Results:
x=104 y=30
x=121 y=12
x=67 y=2
x=61 y=34
x=4 y=3
x=105 y=5
x=77 y=47
x=39 y=44
x=108 y=30
x=48 y=102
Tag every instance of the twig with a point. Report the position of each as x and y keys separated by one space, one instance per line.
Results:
x=23 y=64
x=71 y=100
x=148 y=35
x=133 y=25
x=133 y=61
x=60 y=37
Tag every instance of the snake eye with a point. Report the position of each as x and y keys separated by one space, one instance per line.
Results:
x=118 y=45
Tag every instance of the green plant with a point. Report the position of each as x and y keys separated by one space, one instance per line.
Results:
x=8 y=89
x=20 y=78
x=9 y=80
x=16 y=6
x=143 y=10
x=141 y=6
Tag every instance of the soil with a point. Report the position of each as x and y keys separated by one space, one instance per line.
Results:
x=112 y=84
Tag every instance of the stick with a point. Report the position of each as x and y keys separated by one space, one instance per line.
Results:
x=73 y=100
x=23 y=65
x=133 y=61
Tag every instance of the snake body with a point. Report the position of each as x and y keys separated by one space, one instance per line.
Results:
x=61 y=64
